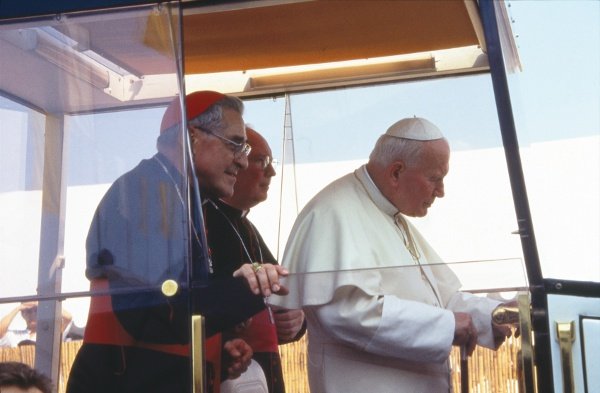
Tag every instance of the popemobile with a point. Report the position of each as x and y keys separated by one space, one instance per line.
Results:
x=83 y=90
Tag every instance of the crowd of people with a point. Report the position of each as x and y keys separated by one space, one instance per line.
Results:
x=387 y=328
x=14 y=337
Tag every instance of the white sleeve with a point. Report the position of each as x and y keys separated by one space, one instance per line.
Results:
x=10 y=339
x=65 y=332
x=480 y=309
x=388 y=325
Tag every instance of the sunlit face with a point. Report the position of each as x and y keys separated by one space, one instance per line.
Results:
x=253 y=182
x=215 y=162
x=419 y=185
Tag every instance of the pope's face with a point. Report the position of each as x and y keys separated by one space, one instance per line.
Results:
x=420 y=184
x=216 y=163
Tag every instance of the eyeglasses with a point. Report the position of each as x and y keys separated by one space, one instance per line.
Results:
x=238 y=149
x=265 y=161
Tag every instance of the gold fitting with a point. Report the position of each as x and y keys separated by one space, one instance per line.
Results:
x=256 y=266
x=169 y=287
x=505 y=315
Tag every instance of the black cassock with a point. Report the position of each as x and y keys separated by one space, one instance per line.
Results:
x=233 y=240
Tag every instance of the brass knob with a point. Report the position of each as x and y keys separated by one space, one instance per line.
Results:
x=169 y=288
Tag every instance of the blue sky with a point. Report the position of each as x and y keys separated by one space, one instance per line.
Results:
x=555 y=96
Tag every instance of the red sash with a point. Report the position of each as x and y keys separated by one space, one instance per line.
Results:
x=103 y=327
x=261 y=335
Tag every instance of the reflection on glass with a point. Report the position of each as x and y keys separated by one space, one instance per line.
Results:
x=58 y=158
x=21 y=166
x=497 y=280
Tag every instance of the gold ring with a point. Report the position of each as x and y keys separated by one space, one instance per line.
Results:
x=256 y=266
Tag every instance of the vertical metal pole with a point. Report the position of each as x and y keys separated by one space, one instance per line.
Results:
x=199 y=265
x=198 y=355
x=289 y=188
x=464 y=370
x=517 y=181
x=51 y=261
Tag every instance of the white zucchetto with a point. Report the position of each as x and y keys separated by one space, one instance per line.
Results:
x=415 y=128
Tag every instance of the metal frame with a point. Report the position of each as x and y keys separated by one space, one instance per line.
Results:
x=53 y=219
x=51 y=260
x=539 y=303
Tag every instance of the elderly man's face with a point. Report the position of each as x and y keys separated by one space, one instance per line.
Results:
x=253 y=182
x=215 y=162
x=419 y=185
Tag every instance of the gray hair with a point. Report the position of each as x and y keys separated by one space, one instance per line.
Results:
x=211 y=119
x=389 y=149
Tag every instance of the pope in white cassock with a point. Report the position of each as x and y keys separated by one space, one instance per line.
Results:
x=383 y=311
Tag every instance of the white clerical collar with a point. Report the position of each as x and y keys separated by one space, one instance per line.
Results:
x=376 y=196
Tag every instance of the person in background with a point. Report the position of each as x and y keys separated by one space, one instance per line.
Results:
x=140 y=341
x=384 y=311
x=28 y=310
x=233 y=241
x=18 y=377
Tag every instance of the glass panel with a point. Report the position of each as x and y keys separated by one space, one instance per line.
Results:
x=83 y=99
x=557 y=110
x=21 y=167
x=334 y=133
x=18 y=344
x=573 y=329
x=103 y=147
x=323 y=136
x=487 y=369
x=591 y=347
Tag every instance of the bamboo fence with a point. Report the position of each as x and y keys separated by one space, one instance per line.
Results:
x=489 y=371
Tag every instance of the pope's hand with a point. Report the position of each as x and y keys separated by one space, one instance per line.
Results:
x=465 y=333
x=288 y=323
x=503 y=322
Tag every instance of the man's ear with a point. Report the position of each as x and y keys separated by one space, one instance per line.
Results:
x=193 y=137
x=396 y=169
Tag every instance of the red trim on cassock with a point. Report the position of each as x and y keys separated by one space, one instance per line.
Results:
x=261 y=335
x=103 y=327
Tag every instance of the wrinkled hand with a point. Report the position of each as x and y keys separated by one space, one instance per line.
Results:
x=287 y=322
x=502 y=331
x=237 y=355
x=263 y=280
x=464 y=332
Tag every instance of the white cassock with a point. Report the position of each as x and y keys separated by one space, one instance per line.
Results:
x=379 y=320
